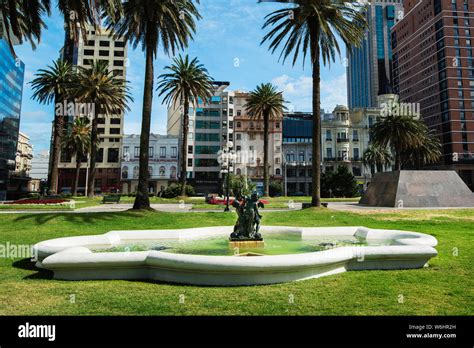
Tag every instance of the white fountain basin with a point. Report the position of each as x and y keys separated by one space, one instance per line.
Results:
x=72 y=259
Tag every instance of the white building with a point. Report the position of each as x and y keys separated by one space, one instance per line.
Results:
x=40 y=165
x=99 y=46
x=163 y=162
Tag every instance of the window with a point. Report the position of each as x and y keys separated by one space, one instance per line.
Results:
x=99 y=156
x=125 y=172
x=136 y=151
x=103 y=53
x=173 y=172
x=115 y=121
x=277 y=125
x=356 y=153
x=90 y=43
x=101 y=120
x=174 y=152
x=301 y=156
x=190 y=162
x=119 y=44
x=118 y=62
x=151 y=151
x=328 y=135
x=252 y=136
x=113 y=155
x=104 y=43
x=239 y=124
x=135 y=172
x=114 y=130
x=162 y=152
x=118 y=54
x=88 y=52
x=238 y=136
x=355 y=135
x=329 y=152
x=277 y=171
x=190 y=149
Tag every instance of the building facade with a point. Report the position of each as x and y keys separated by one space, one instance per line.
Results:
x=12 y=71
x=24 y=154
x=433 y=59
x=345 y=135
x=163 y=162
x=40 y=165
x=248 y=143
x=99 y=46
x=369 y=69
x=210 y=129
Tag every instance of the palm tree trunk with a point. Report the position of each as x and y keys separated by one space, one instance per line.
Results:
x=316 y=159
x=184 y=145
x=55 y=155
x=265 y=153
x=398 y=161
x=92 y=169
x=78 y=172
x=142 y=201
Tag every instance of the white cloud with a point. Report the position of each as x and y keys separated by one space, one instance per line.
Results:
x=298 y=91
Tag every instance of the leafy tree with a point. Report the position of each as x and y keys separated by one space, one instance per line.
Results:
x=53 y=85
x=377 y=156
x=311 y=27
x=78 y=142
x=265 y=103
x=185 y=83
x=148 y=23
x=340 y=183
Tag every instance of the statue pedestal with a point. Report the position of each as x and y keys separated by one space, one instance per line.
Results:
x=246 y=244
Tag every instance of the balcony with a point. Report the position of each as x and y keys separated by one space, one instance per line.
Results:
x=342 y=140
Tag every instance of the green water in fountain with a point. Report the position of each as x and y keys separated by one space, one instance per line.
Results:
x=275 y=244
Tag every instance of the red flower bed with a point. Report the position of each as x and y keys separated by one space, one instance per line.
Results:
x=40 y=201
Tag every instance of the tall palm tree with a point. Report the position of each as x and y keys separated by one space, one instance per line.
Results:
x=53 y=85
x=108 y=94
x=148 y=23
x=401 y=133
x=265 y=103
x=185 y=83
x=427 y=152
x=311 y=27
x=78 y=142
x=377 y=156
x=23 y=20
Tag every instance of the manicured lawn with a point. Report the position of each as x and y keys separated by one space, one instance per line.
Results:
x=445 y=288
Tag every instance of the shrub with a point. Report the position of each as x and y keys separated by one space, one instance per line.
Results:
x=275 y=188
x=174 y=190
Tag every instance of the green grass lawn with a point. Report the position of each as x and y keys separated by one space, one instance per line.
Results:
x=445 y=288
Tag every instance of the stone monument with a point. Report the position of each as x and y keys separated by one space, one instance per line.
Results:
x=246 y=230
x=418 y=189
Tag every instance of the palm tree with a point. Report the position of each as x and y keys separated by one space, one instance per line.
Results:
x=186 y=82
x=148 y=23
x=78 y=142
x=311 y=26
x=377 y=156
x=108 y=94
x=23 y=20
x=427 y=152
x=52 y=84
x=265 y=103
x=401 y=133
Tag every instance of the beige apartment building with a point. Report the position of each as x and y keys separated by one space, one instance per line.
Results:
x=24 y=155
x=249 y=143
x=100 y=46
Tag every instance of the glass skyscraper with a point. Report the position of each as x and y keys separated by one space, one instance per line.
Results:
x=12 y=72
x=369 y=70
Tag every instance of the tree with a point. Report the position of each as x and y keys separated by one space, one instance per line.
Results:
x=105 y=94
x=427 y=152
x=340 y=183
x=23 y=20
x=53 y=84
x=311 y=26
x=148 y=23
x=265 y=103
x=185 y=83
x=401 y=133
x=377 y=156
x=78 y=142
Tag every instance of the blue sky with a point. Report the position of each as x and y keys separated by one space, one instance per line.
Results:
x=227 y=42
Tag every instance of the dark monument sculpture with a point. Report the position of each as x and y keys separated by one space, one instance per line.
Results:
x=248 y=223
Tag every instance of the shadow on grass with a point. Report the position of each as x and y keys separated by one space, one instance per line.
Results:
x=27 y=264
x=88 y=218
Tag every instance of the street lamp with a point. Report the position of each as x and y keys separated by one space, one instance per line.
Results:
x=226 y=169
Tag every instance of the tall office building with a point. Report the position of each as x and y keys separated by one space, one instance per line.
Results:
x=12 y=71
x=434 y=66
x=369 y=70
x=100 y=46
x=210 y=128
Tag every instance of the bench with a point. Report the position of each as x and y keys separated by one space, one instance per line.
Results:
x=111 y=199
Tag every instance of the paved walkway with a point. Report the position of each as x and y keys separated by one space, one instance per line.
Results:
x=355 y=207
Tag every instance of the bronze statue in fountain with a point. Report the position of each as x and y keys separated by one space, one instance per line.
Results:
x=247 y=226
